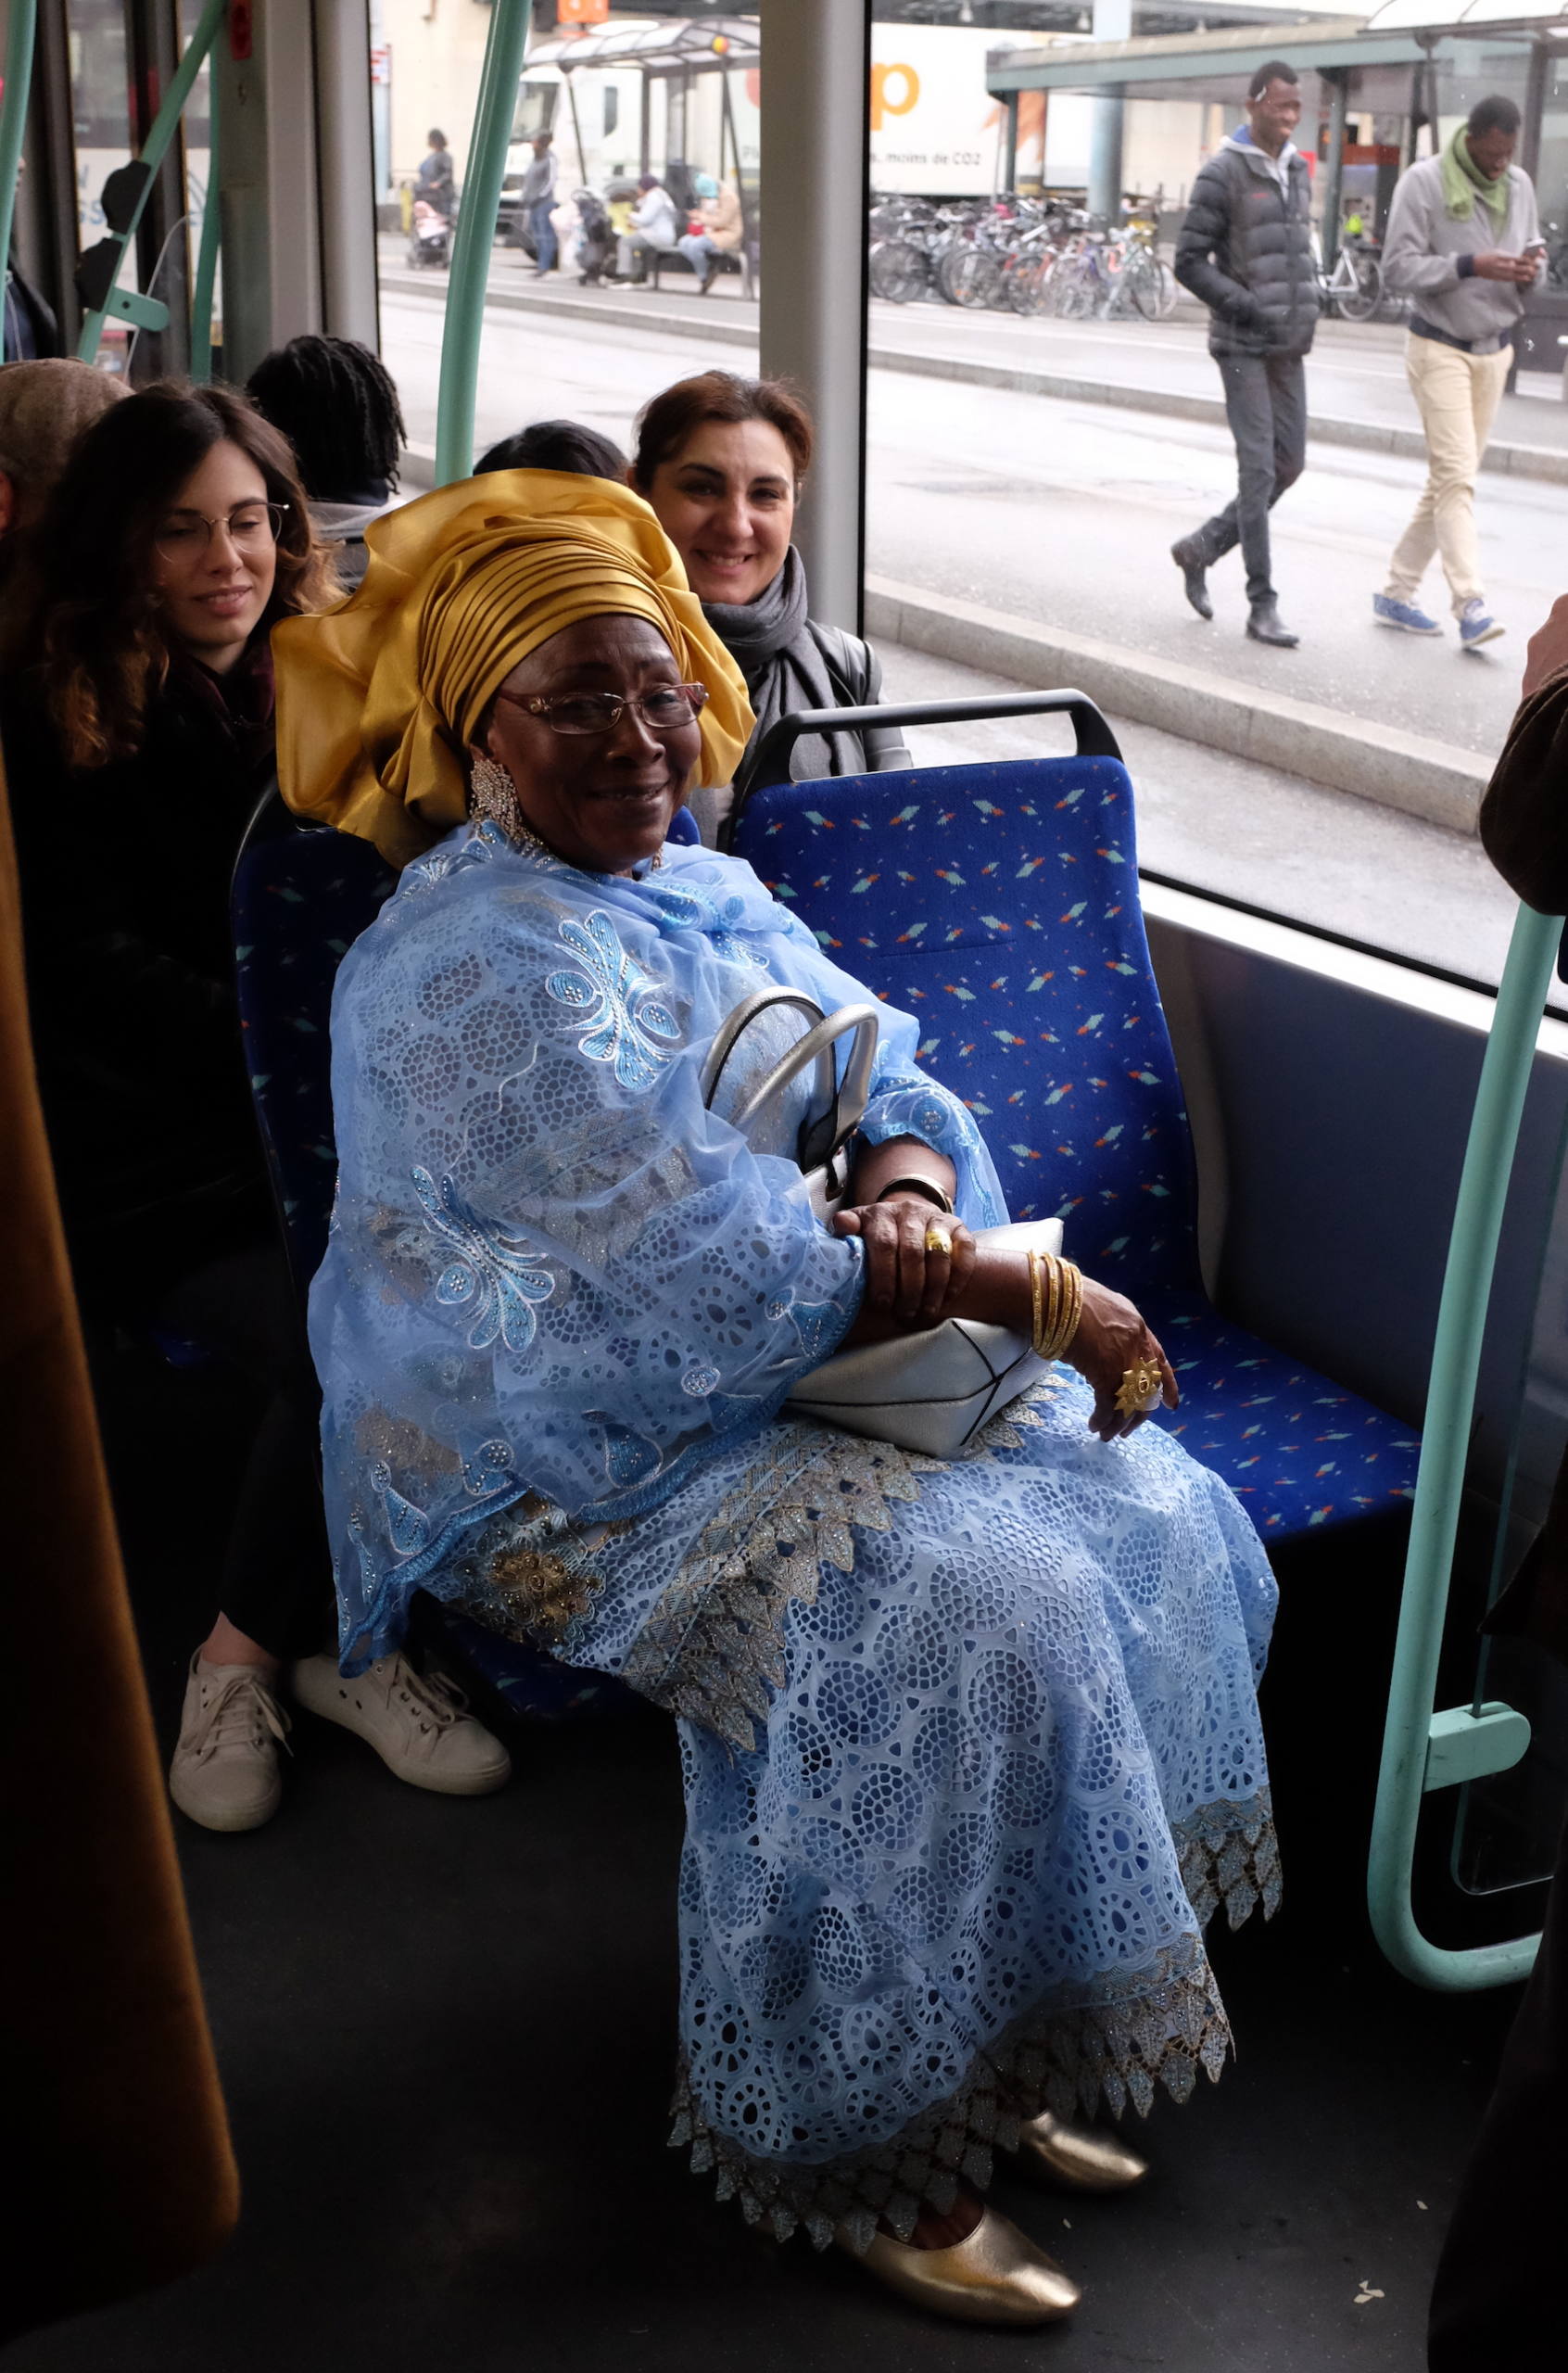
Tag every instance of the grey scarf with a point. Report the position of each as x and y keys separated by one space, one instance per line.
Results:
x=785 y=670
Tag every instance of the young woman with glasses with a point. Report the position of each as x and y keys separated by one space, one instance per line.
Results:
x=137 y=726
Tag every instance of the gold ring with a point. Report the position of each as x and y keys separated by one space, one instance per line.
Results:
x=937 y=1242
x=1142 y=1389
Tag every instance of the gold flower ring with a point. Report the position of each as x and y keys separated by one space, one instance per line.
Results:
x=1141 y=1390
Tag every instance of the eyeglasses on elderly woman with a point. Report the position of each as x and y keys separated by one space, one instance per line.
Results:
x=663 y=710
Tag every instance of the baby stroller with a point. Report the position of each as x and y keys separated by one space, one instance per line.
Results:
x=596 y=239
x=430 y=236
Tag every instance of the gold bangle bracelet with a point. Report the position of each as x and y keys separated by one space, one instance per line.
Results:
x=1067 y=1311
x=1037 y=1296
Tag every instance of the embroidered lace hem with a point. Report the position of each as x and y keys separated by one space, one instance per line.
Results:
x=713 y=1648
x=1137 y=2033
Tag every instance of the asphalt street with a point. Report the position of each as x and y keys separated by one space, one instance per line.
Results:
x=1064 y=512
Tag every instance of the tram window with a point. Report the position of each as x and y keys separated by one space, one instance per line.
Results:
x=595 y=364
x=1071 y=429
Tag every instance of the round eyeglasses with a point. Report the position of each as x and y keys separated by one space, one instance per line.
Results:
x=249 y=527
x=664 y=710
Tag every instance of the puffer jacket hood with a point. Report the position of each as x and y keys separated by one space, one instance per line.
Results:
x=1246 y=252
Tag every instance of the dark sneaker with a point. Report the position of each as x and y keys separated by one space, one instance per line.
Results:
x=1195 y=572
x=1265 y=625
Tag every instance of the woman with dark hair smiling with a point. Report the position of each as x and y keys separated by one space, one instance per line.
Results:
x=724 y=460
x=143 y=710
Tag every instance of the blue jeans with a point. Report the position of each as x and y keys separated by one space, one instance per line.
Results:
x=544 y=233
x=700 y=251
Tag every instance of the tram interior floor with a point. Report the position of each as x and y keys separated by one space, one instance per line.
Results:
x=445 y=2029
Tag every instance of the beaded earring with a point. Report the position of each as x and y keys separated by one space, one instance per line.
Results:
x=492 y=793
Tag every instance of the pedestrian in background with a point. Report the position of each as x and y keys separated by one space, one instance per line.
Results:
x=654 y=225
x=1463 y=244
x=719 y=210
x=1246 y=252
x=437 y=185
x=537 y=202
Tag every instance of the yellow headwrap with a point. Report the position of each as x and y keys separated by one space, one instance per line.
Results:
x=377 y=700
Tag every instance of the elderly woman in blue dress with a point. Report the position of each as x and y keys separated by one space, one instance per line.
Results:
x=970 y=1749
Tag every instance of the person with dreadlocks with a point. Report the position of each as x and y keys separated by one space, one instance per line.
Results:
x=336 y=403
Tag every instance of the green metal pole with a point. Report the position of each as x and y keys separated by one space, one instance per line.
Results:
x=476 y=236
x=13 y=124
x=165 y=124
x=1456 y=1362
x=206 y=257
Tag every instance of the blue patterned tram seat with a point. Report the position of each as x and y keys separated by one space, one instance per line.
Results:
x=999 y=904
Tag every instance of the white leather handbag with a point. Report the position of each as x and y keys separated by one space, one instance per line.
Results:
x=928 y=1391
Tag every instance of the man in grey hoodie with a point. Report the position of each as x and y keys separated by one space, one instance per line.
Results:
x=1463 y=244
x=1245 y=250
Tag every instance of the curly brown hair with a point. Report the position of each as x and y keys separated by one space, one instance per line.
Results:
x=94 y=639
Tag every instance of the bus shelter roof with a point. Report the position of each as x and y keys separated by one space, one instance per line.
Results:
x=1166 y=66
x=675 y=47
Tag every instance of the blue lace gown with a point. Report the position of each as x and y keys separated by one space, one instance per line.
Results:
x=971 y=1749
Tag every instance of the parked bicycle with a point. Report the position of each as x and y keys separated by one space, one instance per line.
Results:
x=1353 y=289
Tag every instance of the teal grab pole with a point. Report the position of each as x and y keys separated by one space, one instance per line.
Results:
x=13 y=124
x=1456 y=1362
x=165 y=124
x=475 y=236
x=206 y=260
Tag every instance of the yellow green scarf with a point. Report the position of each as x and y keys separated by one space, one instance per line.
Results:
x=1462 y=184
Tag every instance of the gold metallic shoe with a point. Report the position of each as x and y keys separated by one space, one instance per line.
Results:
x=1053 y=2152
x=996 y=2275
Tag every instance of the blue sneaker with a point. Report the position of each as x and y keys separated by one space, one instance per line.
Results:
x=1477 y=625
x=1390 y=613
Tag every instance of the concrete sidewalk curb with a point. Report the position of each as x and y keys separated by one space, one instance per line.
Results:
x=1538 y=462
x=1432 y=779
x=1541 y=462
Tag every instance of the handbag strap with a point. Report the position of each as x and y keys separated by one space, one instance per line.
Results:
x=740 y=1019
x=821 y=1140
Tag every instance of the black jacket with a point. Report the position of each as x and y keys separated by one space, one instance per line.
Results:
x=848 y=675
x=1247 y=255
x=130 y=981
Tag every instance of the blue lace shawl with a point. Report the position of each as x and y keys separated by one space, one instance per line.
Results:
x=550 y=1269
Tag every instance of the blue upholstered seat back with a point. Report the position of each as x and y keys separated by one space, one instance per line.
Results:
x=999 y=904
x=298 y=903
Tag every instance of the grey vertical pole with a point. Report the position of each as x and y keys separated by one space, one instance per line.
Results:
x=1338 y=81
x=346 y=170
x=815 y=116
x=1113 y=21
x=1011 y=148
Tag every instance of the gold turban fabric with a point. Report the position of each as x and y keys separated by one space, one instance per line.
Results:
x=378 y=700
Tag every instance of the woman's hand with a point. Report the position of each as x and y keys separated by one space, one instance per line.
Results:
x=917 y=1256
x=1112 y=1338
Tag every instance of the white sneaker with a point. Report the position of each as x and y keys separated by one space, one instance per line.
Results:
x=225 y=1772
x=417 y=1724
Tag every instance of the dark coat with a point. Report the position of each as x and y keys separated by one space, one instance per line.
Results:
x=125 y=876
x=1525 y=813
x=1247 y=255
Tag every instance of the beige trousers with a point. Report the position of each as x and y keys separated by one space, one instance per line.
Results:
x=1458 y=396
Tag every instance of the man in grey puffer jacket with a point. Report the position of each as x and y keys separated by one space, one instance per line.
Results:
x=1245 y=250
